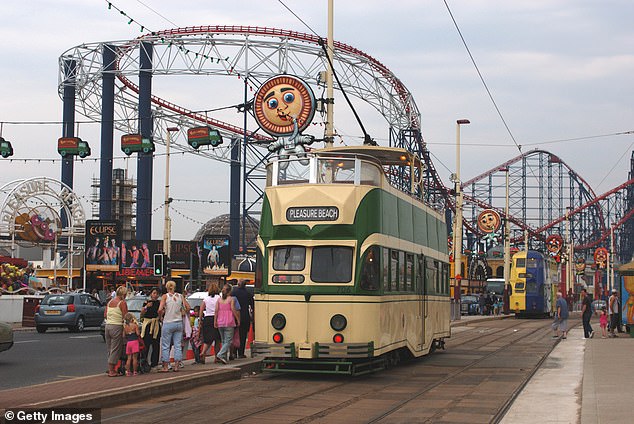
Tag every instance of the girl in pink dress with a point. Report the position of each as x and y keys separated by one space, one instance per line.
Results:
x=603 y=322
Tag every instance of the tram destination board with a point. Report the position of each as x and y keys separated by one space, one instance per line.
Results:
x=312 y=213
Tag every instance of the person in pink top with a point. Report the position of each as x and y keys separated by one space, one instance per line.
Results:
x=226 y=319
x=603 y=322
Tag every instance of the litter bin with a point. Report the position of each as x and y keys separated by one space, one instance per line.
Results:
x=29 y=304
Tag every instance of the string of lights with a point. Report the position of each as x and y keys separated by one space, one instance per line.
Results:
x=195 y=221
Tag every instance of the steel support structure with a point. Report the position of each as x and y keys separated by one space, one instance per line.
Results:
x=107 y=132
x=145 y=161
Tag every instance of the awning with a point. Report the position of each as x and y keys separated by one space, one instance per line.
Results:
x=19 y=262
x=60 y=273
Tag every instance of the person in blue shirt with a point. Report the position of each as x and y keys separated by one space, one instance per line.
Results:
x=560 y=323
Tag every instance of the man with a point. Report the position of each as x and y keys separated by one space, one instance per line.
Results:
x=246 y=310
x=614 y=311
x=586 y=314
x=560 y=323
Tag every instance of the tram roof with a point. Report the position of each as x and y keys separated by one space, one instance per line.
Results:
x=387 y=156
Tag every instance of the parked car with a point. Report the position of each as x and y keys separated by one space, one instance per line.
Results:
x=74 y=311
x=6 y=336
x=134 y=303
x=469 y=305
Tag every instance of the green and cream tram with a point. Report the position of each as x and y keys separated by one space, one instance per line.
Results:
x=353 y=273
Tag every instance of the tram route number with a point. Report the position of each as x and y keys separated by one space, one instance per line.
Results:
x=344 y=290
x=312 y=213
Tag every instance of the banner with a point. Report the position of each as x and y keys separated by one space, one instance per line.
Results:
x=103 y=248
x=215 y=255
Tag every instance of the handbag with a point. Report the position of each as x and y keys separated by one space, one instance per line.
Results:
x=235 y=342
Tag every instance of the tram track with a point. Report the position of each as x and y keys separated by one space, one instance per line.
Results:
x=323 y=399
x=349 y=402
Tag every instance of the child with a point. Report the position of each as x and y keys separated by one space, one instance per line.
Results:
x=603 y=322
x=195 y=338
x=131 y=331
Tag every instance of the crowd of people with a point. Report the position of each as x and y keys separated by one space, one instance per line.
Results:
x=167 y=329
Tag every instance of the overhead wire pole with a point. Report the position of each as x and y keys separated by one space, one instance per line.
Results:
x=330 y=125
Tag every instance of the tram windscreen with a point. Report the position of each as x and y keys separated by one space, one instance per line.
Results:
x=331 y=264
x=289 y=258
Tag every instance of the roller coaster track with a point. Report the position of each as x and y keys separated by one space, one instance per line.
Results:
x=545 y=192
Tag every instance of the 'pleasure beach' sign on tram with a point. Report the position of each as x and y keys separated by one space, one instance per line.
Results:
x=312 y=213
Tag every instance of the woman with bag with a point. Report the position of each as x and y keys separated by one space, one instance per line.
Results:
x=226 y=318
x=210 y=333
x=114 y=313
x=172 y=309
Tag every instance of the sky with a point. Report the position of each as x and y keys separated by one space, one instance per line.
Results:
x=559 y=71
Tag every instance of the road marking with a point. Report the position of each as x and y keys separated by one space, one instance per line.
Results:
x=26 y=341
x=83 y=337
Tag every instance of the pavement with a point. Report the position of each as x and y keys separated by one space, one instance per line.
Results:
x=582 y=381
x=585 y=381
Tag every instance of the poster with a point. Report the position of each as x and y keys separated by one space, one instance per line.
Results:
x=215 y=255
x=103 y=249
x=136 y=254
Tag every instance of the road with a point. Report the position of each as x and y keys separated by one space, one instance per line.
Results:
x=55 y=355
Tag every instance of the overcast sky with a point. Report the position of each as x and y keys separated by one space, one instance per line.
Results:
x=557 y=69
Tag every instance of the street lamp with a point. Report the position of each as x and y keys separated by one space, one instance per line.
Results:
x=167 y=227
x=507 y=249
x=457 y=235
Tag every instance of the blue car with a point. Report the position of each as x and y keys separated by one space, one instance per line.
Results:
x=74 y=311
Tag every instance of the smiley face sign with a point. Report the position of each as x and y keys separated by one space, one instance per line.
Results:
x=489 y=221
x=279 y=101
x=554 y=244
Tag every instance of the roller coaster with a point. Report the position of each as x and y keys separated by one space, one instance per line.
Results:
x=545 y=192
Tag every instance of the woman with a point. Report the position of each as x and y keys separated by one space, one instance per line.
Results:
x=151 y=332
x=172 y=309
x=226 y=318
x=207 y=313
x=114 y=313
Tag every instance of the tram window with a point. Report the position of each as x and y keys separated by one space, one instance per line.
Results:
x=525 y=275
x=519 y=287
x=332 y=171
x=532 y=263
x=370 y=272
x=445 y=278
x=289 y=258
x=258 y=269
x=386 y=269
x=409 y=268
x=370 y=174
x=431 y=275
x=520 y=263
x=331 y=264
x=288 y=278
x=394 y=270
x=531 y=287
x=419 y=274
x=344 y=171
x=402 y=275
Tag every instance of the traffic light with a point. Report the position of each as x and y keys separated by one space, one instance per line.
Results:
x=159 y=265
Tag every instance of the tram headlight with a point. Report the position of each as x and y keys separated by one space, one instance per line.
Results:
x=278 y=321
x=338 y=322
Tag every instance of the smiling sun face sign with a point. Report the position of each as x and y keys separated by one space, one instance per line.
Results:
x=279 y=100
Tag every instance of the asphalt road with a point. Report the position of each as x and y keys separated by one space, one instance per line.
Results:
x=55 y=355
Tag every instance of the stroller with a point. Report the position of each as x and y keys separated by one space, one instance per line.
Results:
x=143 y=366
